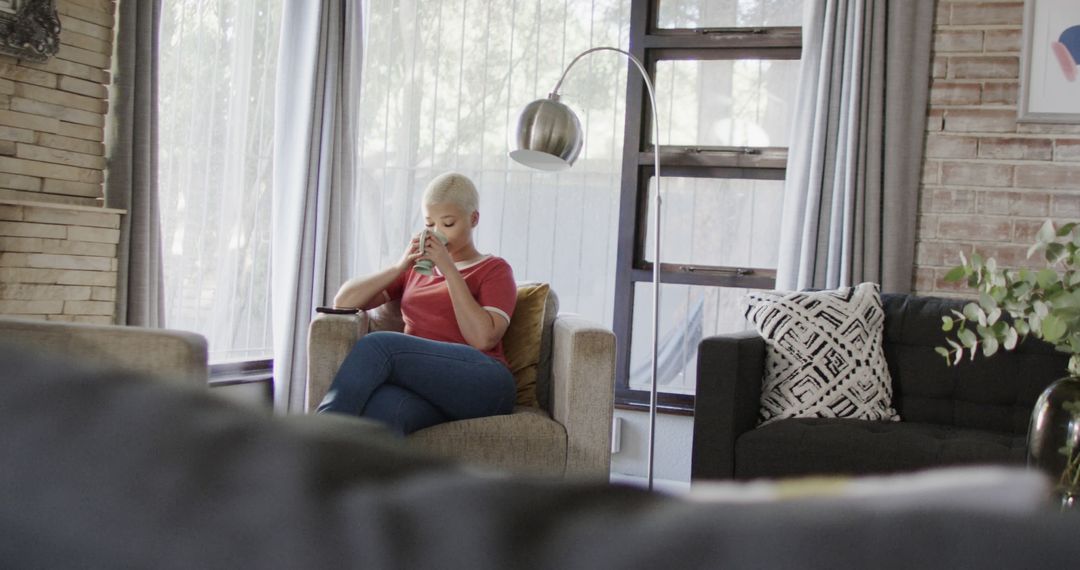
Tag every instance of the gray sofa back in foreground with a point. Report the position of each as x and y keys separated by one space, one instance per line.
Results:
x=106 y=470
x=976 y=412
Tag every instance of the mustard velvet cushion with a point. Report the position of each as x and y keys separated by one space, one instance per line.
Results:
x=521 y=342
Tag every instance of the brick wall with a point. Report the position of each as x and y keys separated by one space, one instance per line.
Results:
x=989 y=182
x=58 y=263
x=57 y=242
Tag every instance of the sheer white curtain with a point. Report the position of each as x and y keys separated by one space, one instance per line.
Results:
x=217 y=71
x=443 y=83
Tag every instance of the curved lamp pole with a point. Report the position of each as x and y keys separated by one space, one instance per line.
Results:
x=549 y=137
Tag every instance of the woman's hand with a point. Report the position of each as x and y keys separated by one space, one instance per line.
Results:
x=411 y=254
x=438 y=254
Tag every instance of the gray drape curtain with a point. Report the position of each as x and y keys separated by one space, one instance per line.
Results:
x=132 y=174
x=854 y=168
x=316 y=110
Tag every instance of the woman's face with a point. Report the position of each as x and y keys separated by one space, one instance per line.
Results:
x=451 y=221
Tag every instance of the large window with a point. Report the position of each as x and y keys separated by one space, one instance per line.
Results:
x=725 y=73
x=216 y=108
x=442 y=85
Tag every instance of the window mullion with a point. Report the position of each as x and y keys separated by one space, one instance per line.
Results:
x=641 y=14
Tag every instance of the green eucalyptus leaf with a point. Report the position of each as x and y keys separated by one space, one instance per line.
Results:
x=1059 y=300
x=956 y=274
x=1054 y=252
x=967 y=338
x=991 y=265
x=1021 y=327
x=990 y=346
x=946 y=323
x=1033 y=248
x=942 y=351
x=1046 y=278
x=1011 y=338
x=1046 y=232
x=993 y=316
x=1053 y=328
x=976 y=261
x=1066 y=229
x=973 y=312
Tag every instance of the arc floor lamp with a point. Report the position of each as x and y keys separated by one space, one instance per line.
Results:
x=549 y=137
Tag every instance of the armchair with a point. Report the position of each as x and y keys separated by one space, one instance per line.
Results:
x=569 y=434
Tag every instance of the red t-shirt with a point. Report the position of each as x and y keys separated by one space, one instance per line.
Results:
x=428 y=311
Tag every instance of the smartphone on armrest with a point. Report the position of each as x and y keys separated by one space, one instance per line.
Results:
x=337 y=310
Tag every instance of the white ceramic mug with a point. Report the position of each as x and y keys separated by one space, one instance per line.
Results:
x=426 y=266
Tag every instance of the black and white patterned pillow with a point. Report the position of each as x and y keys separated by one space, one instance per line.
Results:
x=823 y=356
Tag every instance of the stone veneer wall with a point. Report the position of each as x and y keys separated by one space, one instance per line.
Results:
x=989 y=182
x=58 y=263
x=57 y=242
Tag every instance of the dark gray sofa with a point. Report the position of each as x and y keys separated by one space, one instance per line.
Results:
x=976 y=412
x=106 y=469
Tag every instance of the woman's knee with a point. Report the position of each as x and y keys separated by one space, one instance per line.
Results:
x=402 y=410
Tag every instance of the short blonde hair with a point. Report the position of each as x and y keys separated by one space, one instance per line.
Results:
x=453 y=188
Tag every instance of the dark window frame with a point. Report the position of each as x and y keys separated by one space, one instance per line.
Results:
x=650 y=44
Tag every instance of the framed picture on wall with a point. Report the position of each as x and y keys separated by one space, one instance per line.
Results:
x=1050 y=62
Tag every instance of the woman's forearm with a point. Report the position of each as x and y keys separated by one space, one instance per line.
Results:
x=481 y=329
x=363 y=292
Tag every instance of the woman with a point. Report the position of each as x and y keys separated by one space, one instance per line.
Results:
x=449 y=363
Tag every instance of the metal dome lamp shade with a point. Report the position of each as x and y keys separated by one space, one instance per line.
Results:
x=549 y=137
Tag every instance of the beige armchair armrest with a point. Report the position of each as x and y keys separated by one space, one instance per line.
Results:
x=583 y=383
x=330 y=337
x=176 y=356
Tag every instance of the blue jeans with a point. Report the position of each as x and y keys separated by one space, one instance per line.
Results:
x=411 y=383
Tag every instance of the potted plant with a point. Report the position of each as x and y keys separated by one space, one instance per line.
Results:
x=1014 y=304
